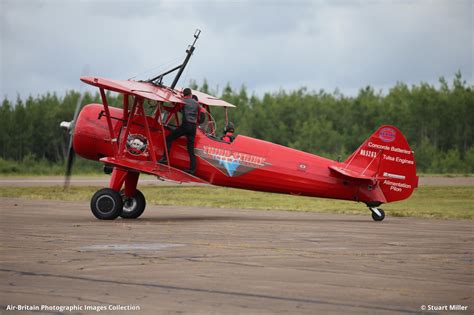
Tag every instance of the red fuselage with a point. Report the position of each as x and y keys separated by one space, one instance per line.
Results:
x=246 y=163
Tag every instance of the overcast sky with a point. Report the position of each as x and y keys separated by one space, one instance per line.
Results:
x=266 y=45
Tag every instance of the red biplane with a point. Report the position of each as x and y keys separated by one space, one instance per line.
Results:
x=130 y=141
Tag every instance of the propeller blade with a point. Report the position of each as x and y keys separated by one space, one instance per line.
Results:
x=69 y=162
x=70 y=151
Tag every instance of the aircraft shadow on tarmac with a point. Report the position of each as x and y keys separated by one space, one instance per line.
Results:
x=177 y=219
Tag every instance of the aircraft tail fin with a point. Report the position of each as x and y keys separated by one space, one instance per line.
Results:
x=387 y=158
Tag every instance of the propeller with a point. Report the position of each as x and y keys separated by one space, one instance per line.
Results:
x=69 y=126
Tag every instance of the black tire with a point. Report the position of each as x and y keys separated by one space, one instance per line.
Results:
x=106 y=204
x=132 y=207
x=376 y=217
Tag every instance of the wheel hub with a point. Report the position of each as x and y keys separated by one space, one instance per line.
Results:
x=105 y=204
x=129 y=204
x=376 y=211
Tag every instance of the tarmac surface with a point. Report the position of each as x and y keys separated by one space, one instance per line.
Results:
x=176 y=260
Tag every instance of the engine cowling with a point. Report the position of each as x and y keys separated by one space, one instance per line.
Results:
x=91 y=133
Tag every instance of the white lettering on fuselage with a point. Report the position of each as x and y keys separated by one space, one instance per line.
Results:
x=397 y=187
x=398 y=150
x=368 y=153
x=397 y=159
x=401 y=185
x=387 y=148
x=243 y=158
x=378 y=146
x=404 y=161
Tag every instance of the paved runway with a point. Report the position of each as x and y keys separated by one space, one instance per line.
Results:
x=178 y=260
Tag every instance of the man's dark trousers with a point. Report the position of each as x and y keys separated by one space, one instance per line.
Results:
x=189 y=130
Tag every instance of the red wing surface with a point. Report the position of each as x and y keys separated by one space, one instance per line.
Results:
x=210 y=100
x=143 y=89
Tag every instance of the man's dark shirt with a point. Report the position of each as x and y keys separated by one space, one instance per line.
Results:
x=188 y=128
x=190 y=110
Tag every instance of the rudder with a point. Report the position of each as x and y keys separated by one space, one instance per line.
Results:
x=386 y=157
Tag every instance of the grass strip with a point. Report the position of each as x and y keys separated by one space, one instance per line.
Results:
x=444 y=202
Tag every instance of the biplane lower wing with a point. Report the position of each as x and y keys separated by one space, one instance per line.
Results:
x=162 y=171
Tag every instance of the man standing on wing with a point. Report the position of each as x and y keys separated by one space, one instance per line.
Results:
x=188 y=128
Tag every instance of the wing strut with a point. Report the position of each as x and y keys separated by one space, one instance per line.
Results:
x=163 y=134
x=113 y=139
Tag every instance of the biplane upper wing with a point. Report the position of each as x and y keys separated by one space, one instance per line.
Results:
x=159 y=170
x=143 y=89
x=210 y=100
x=151 y=91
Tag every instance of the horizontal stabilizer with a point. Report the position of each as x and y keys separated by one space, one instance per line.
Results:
x=354 y=174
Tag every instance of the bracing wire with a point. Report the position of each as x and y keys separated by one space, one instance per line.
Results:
x=155 y=68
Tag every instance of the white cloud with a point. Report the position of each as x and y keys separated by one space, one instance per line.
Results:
x=264 y=45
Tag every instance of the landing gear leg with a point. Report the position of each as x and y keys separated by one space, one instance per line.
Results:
x=134 y=202
x=377 y=213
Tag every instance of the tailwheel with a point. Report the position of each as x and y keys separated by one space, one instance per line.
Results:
x=106 y=204
x=377 y=214
x=133 y=207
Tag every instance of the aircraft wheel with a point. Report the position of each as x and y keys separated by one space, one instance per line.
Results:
x=133 y=207
x=106 y=204
x=377 y=214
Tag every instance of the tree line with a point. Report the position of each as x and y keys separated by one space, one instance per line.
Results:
x=437 y=121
